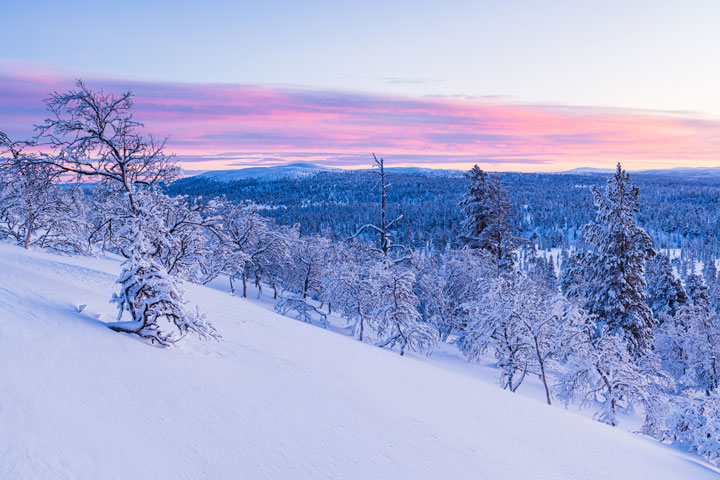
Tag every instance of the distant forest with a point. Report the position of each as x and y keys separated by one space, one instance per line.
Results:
x=678 y=211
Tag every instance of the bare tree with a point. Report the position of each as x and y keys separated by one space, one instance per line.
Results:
x=387 y=237
x=93 y=134
x=33 y=209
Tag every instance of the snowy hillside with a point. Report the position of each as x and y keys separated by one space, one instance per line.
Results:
x=276 y=398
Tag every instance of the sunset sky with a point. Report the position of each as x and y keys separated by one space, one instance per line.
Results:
x=514 y=85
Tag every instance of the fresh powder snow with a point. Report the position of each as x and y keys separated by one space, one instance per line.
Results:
x=275 y=398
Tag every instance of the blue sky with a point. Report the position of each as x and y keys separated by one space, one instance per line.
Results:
x=649 y=55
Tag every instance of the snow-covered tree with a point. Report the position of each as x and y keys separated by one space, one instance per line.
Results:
x=187 y=224
x=665 y=290
x=34 y=210
x=386 y=236
x=93 y=135
x=475 y=208
x=500 y=236
x=487 y=218
x=694 y=423
x=525 y=325
x=348 y=286
x=310 y=257
x=394 y=318
x=601 y=371
x=303 y=310
x=689 y=342
x=243 y=245
x=609 y=280
x=152 y=298
x=447 y=284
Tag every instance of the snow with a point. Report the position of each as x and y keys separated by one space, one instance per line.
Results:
x=276 y=398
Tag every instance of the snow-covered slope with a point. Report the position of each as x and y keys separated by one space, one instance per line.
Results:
x=275 y=399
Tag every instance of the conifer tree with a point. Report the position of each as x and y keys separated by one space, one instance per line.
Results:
x=609 y=279
x=487 y=222
x=665 y=291
x=474 y=208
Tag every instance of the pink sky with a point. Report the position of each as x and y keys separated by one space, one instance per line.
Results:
x=228 y=126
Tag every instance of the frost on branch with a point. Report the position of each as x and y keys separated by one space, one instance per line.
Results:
x=395 y=318
x=694 y=423
x=304 y=311
x=154 y=301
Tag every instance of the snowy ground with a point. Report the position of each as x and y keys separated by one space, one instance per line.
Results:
x=275 y=399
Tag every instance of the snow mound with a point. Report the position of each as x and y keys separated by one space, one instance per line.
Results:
x=275 y=399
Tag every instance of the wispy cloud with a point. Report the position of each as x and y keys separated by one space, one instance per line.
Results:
x=218 y=126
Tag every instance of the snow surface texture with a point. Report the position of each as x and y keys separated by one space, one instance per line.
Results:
x=275 y=399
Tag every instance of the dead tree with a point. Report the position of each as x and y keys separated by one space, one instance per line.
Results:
x=384 y=231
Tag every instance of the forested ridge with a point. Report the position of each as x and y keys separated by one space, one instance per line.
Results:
x=677 y=210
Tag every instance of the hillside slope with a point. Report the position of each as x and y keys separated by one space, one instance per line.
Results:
x=275 y=399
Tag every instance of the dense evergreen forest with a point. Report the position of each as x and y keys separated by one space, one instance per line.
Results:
x=676 y=210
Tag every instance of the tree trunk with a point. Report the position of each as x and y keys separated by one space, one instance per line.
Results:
x=541 y=362
x=28 y=234
x=306 y=284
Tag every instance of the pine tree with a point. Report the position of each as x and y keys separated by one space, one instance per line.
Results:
x=665 y=291
x=474 y=208
x=609 y=279
x=487 y=222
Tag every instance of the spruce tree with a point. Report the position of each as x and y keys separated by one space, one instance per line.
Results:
x=665 y=292
x=474 y=208
x=609 y=278
x=487 y=222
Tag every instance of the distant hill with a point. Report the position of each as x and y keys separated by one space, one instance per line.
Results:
x=684 y=172
x=430 y=172
x=269 y=173
x=299 y=170
x=688 y=173
x=296 y=170
x=587 y=170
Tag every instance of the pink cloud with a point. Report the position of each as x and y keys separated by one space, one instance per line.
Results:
x=213 y=126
